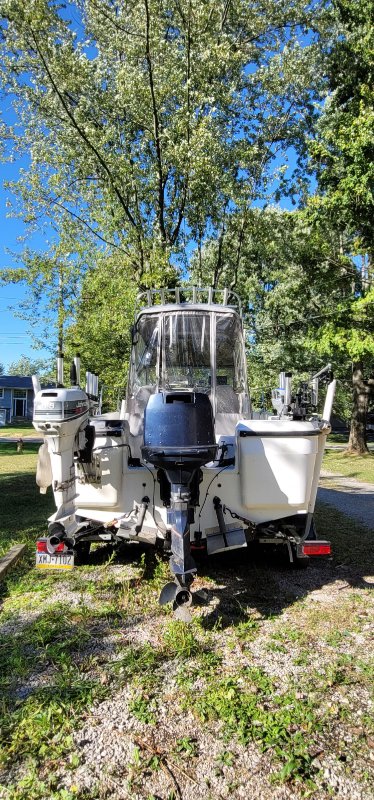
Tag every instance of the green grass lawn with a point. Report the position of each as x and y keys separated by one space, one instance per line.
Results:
x=24 y=510
x=359 y=467
x=21 y=429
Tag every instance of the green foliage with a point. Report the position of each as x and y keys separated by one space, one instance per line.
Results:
x=142 y=707
x=28 y=366
x=52 y=280
x=180 y=640
x=145 y=129
x=130 y=147
x=342 y=151
x=275 y=721
x=187 y=746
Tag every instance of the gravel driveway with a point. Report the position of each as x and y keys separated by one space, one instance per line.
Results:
x=352 y=497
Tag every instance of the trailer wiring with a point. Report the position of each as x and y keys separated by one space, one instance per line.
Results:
x=158 y=526
x=207 y=492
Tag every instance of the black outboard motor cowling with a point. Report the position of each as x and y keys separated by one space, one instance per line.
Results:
x=179 y=433
x=179 y=439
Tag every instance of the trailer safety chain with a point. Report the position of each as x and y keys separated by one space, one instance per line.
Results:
x=234 y=515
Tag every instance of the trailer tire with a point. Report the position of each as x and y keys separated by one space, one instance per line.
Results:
x=81 y=553
x=301 y=562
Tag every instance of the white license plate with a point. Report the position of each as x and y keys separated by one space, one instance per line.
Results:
x=58 y=561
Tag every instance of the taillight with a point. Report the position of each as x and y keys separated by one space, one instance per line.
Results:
x=316 y=548
x=41 y=547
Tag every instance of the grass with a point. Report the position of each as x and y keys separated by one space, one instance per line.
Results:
x=351 y=542
x=24 y=511
x=280 y=722
x=20 y=430
x=54 y=665
x=359 y=467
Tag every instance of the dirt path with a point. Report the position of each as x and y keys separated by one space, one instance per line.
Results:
x=353 y=498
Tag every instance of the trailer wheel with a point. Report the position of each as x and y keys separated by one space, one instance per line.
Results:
x=300 y=562
x=81 y=552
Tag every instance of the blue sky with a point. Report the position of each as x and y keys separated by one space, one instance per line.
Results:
x=15 y=340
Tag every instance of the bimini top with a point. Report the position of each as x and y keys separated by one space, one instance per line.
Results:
x=195 y=297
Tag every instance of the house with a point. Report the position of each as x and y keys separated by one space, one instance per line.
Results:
x=16 y=398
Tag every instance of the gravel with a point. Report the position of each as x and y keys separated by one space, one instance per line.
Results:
x=353 y=498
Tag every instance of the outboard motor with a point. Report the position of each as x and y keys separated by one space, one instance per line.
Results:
x=179 y=439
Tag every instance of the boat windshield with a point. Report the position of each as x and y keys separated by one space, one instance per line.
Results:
x=193 y=350
x=186 y=362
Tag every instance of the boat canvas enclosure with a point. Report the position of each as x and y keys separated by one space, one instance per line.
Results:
x=194 y=349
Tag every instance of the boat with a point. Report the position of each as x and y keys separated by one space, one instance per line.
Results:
x=185 y=464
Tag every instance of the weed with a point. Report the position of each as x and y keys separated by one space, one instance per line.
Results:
x=135 y=661
x=187 y=746
x=276 y=647
x=335 y=638
x=226 y=758
x=247 y=630
x=180 y=640
x=302 y=659
x=279 y=722
x=41 y=724
x=143 y=708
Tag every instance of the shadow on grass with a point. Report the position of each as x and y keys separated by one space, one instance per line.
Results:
x=267 y=582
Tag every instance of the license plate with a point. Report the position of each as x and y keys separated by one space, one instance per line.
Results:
x=58 y=561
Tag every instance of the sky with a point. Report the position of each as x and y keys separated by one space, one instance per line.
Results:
x=15 y=340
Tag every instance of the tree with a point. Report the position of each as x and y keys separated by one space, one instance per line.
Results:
x=160 y=118
x=1 y=369
x=342 y=151
x=101 y=331
x=350 y=337
x=52 y=280
x=27 y=366
x=343 y=155
x=294 y=282
x=148 y=130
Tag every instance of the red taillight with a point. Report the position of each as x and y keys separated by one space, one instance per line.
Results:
x=317 y=548
x=41 y=546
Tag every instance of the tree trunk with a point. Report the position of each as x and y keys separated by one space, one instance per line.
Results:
x=357 y=437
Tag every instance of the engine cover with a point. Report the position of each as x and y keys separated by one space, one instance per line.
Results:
x=179 y=432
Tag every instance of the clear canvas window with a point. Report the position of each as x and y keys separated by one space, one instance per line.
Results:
x=186 y=351
x=145 y=360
